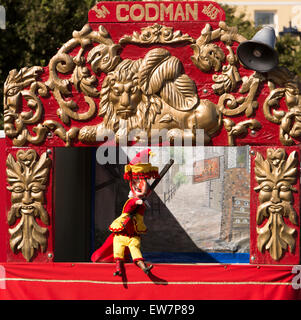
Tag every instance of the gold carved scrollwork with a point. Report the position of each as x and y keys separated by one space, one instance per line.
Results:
x=228 y=80
x=27 y=176
x=247 y=104
x=284 y=84
x=239 y=129
x=276 y=176
x=162 y=95
x=102 y=58
x=15 y=121
x=156 y=34
x=207 y=56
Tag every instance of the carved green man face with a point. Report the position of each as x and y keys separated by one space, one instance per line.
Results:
x=276 y=176
x=27 y=178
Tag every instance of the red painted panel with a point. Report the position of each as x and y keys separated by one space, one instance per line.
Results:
x=39 y=256
x=3 y=224
x=264 y=257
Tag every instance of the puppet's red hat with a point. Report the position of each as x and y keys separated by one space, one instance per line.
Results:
x=140 y=167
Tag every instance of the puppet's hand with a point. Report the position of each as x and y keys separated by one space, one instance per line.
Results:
x=139 y=202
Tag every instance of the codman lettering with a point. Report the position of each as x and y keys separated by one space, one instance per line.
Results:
x=154 y=12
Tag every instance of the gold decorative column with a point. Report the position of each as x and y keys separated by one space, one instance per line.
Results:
x=27 y=177
x=276 y=178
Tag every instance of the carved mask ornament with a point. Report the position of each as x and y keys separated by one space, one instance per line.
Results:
x=276 y=176
x=27 y=177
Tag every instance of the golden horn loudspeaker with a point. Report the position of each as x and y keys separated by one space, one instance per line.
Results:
x=259 y=53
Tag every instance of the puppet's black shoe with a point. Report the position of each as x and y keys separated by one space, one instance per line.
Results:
x=148 y=269
x=119 y=266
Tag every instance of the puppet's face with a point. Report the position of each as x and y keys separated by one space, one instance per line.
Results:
x=139 y=188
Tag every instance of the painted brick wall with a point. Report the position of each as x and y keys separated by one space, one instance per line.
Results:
x=236 y=184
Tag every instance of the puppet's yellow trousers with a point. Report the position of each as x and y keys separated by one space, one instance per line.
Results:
x=120 y=242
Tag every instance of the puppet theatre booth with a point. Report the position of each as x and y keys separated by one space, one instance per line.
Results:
x=155 y=157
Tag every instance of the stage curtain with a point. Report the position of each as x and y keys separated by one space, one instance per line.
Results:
x=65 y=281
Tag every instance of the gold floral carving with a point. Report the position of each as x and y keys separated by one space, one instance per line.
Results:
x=156 y=34
x=102 y=58
x=240 y=129
x=207 y=54
x=276 y=176
x=27 y=176
x=15 y=122
x=229 y=105
x=230 y=77
x=284 y=85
